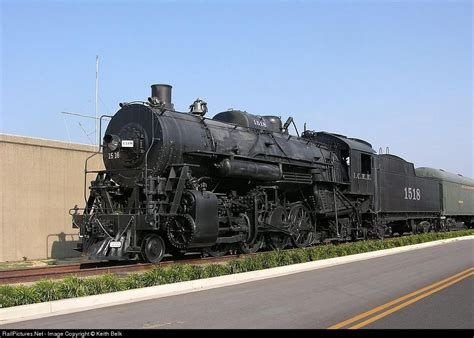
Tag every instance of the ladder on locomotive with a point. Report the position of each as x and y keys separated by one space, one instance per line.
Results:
x=174 y=188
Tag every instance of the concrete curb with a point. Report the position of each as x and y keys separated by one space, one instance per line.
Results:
x=65 y=306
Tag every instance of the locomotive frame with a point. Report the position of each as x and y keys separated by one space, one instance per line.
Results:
x=177 y=182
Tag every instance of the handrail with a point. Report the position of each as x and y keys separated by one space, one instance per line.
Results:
x=87 y=159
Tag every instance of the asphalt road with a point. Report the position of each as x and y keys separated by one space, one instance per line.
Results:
x=315 y=299
x=451 y=308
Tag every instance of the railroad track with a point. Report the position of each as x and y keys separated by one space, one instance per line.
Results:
x=26 y=275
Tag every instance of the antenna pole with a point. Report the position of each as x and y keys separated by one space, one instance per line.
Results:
x=97 y=99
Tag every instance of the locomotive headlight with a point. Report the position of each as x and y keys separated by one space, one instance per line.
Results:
x=112 y=142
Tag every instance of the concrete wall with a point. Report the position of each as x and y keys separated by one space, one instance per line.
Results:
x=40 y=180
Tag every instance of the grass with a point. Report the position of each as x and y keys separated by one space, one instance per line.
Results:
x=26 y=264
x=69 y=287
x=14 y=265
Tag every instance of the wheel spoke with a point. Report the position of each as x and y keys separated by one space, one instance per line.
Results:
x=301 y=225
x=180 y=231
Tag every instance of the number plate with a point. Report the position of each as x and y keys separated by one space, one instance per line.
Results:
x=115 y=244
x=127 y=143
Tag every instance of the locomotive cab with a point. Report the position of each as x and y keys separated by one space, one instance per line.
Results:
x=356 y=158
x=361 y=175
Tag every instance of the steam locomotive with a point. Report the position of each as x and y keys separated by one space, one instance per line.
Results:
x=177 y=181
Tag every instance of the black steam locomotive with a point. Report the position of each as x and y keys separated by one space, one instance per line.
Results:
x=177 y=182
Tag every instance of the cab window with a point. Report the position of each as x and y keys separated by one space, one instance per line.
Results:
x=365 y=164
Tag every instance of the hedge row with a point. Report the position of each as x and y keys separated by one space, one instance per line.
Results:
x=69 y=287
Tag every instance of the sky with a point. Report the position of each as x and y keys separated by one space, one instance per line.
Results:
x=397 y=74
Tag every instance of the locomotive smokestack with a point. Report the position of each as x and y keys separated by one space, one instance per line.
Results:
x=162 y=92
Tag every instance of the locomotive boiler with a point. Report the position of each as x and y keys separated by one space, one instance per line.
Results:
x=179 y=181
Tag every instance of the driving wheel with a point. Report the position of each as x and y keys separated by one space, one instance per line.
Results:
x=301 y=226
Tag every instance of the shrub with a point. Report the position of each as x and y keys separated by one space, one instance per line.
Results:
x=298 y=256
x=282 y=258
x=72 y=286
x=153 y=277
x=236 y=266
x=193 y=272
x=269 y=260
x=134 y=281
x=215 y=270
x=252 y=264
x=47 y=290
x=7 y=295
x=22 y=294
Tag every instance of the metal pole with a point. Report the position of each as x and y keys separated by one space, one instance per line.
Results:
x=335 y=210
x=333 y=174
x=97 y=99
x=82 y=115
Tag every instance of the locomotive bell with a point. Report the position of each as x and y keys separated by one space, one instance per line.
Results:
x=199 y=107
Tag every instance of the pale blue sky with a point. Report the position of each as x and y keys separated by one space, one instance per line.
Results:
x=397 y=74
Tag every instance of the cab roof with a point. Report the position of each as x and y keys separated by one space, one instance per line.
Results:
x=351 y=143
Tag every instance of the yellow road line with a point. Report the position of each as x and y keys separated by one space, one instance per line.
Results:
x=411 y=301
x=398 y=300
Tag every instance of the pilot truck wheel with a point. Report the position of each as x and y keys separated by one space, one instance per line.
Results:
x=153 y=248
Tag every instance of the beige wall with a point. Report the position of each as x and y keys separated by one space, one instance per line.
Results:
x=40 y=180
